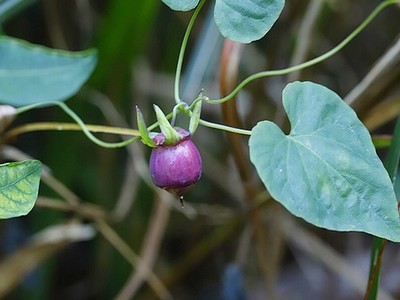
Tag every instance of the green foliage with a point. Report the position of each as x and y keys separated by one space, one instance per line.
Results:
x=242 y=21
x=31 y=73
x=245 y=21
x=326 y=170
x=19 y=186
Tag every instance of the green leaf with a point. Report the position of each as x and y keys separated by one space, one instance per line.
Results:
x=19 y=187
x=326 y=170
x=245 y=21
x=181 y=5
x=31 y=73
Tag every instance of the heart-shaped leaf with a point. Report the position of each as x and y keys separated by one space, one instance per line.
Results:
x=19 y=186
x=326 y=170
x=245 y=21
x=31 y=73
x=181 y=5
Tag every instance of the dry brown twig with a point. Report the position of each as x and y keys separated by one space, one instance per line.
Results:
x=319 y=250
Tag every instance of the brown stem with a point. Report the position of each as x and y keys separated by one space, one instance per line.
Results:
x=201 y=250
x=150 y=247
x=375 y=270
x=119 y=244
x=228 y=79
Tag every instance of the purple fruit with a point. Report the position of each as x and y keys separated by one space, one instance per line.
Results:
x=175 y=168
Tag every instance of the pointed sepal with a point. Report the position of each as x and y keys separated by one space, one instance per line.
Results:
x=146 y=139
x=171 y=135
x=195 y=117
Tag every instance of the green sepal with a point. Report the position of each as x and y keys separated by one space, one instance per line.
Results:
x=171 y=135
x=195 y=117
x=146 y=139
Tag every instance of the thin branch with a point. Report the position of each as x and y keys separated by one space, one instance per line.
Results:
x=382 y=67
x=150 y=247
x=303 y=38
x=85 y=210
x=322 y=252
x=115 y=240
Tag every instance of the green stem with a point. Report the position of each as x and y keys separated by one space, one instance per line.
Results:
x=391 y=164
x=182 y=51
x=87 y=129
x=59 y=126
x=224 y=127
x=81 y=124
x=309 y=63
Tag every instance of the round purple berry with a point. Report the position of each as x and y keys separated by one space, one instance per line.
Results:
x=175 y=168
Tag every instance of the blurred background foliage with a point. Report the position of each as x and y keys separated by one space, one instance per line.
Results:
x=99 y=224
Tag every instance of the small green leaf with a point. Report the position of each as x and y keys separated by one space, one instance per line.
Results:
x=171 y=135
x=31 y=73
x=181 y=5
x=245 y=21
x=143 y=129
x=326 y=170
x=19 y=187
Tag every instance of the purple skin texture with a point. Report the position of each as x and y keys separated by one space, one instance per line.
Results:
x=175 y=168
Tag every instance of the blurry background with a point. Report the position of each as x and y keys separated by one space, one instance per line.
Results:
x=99 y=224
